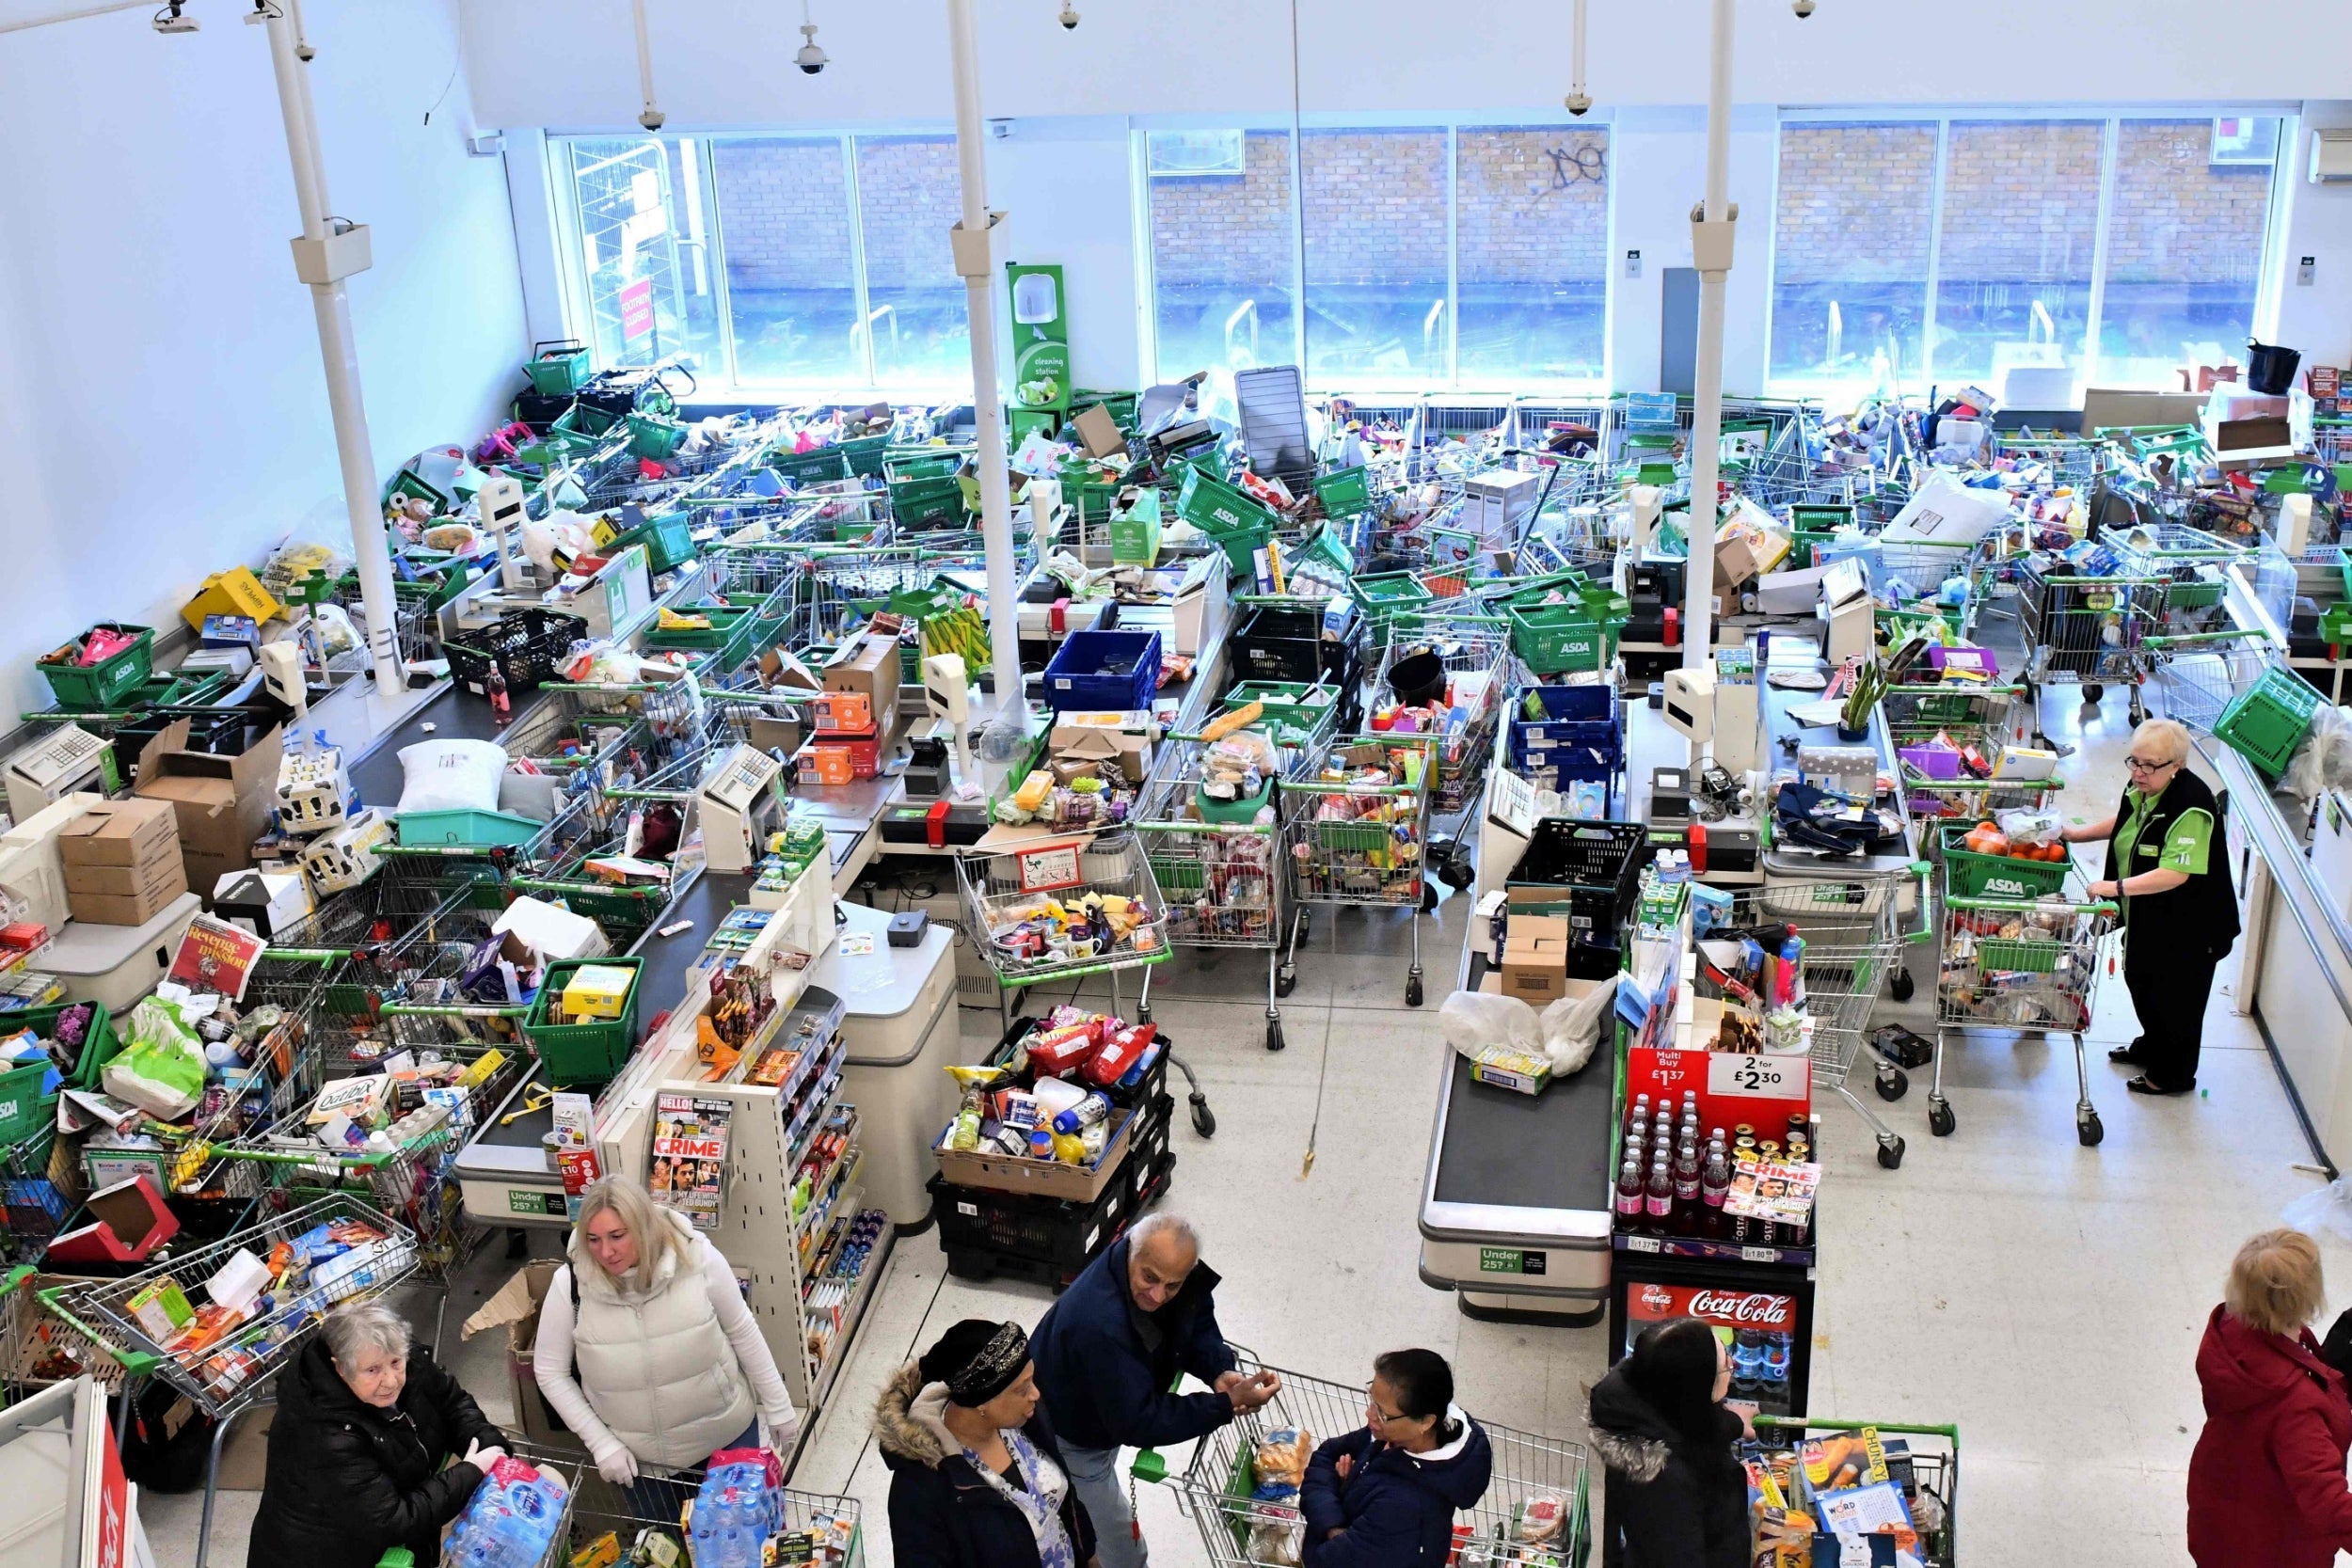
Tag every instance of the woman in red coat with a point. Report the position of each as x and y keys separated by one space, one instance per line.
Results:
x=2266 y=1484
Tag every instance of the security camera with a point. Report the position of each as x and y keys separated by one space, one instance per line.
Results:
x=651 y=119
x=168 y=20
x=1803 y=8
x=1579 y=103
x=811 y=59
x=1069 y=18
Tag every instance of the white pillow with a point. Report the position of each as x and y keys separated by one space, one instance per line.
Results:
x=450 y=775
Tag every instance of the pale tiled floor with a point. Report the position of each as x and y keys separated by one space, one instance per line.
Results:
x=2045 y=1297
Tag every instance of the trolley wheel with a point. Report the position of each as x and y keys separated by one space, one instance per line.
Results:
x=2087 y=1130
x=1286 y=980
x=1274 y=1040
x=1412 y=992
x=1940 y=1118
x=1893 y=1083
x=1458 y=870
x=1203 y=1119
x=1899 y=985
x=1306 y=925
x=1428 y=898
x=1891 y=1151
x=1143 y=1012
x=2092 y=691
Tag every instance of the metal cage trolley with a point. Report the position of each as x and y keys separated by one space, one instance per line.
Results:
x=1536 y=1508
x=1064 y=909
x=1357 y=830
x=2089 y=631
x=2018 y=955
x=1469 y=661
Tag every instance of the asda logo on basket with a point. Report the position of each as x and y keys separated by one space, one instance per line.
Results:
x=2004 y=887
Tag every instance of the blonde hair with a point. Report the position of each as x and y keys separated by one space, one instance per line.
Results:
x=2169 y=733
x=648 y=1225
x=2274 y=1283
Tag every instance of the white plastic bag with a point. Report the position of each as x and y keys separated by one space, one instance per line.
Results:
x=2323 y=1211
x=1571 y=1027
x=1473 y=1022
x=450 y=775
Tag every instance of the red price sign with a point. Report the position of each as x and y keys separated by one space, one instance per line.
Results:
x=636 y=300
x=1762 y=1091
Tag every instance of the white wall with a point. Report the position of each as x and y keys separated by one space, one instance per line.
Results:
x=2318 y=318
x=163 y=412
x=1067 y=184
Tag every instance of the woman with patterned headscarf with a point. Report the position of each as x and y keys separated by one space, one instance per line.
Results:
x=976 y=1478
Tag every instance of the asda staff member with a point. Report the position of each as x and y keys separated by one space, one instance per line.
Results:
x=2168 y=866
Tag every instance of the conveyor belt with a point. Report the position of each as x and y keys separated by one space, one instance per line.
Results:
x=456 y=714
x=706 y=902
x=1503 y=1150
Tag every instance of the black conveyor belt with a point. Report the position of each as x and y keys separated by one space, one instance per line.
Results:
x=529 y=1126
x=454 y=713
x=706 y=902
x=1520 y=1151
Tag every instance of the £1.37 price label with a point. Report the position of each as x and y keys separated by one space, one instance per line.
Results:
x=1760 y=1077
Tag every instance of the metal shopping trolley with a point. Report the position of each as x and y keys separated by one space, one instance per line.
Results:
x=1927 y=1468
x=2197 y=676
x=653 y=1511
x=2019 y=954
x=1238 y=1529
x=1853 y=933
x=2086 y=630
x=1356 y=831
x=2191 y=563
x=1062 y=910
x=1951 y=793
x=228 y=1372
x=1469 y=658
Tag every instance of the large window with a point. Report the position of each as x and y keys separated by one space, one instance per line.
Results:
x=1432 y=256
x=817 y=263
x=1912 y=253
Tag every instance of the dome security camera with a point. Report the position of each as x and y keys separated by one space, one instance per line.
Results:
x=811 y=59
x=652 y=118
x=1578 y=103
x=1069 y=18
x=1803 y=8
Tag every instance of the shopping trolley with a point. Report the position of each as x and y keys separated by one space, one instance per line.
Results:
x=36 y=1349
x=654 y=1507
x=229 y=1373
x=1928 y=1473
x=1853 y=935
x=1223 y=880
x=1218 y=1487
x=2018 y=955
x=1355 y=831
x=2197 y=676
x=41 y=1186
x=2191 y=563
x=566 y=1467
x=2086 y=630
x=1023 y=911
x=1474 y=654
x=1935 y=797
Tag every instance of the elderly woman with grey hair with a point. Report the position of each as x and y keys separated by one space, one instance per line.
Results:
x=360 y=1454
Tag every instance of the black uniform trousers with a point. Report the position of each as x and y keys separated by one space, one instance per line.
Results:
x=2170 y=985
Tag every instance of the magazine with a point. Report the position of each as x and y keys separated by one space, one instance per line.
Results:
x=215 y=956
x=1768 y=1189
x=689 y=1156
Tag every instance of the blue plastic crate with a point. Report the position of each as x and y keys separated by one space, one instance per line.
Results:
x=1573 y=716
x=1076 y=677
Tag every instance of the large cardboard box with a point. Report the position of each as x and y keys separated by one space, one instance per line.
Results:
x=1789 y=592
x=122 y=861
x=1735 y=562
x=1009 y=1173
x=516 y=1309
x=870 y=665
x=223 y=804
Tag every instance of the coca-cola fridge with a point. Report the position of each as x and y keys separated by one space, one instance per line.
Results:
x=1763 y=1312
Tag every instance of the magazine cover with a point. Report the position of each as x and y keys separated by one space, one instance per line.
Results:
x=689 y=1156
x=215 y=956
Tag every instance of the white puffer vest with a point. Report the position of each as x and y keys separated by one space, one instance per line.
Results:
x=656 y=1367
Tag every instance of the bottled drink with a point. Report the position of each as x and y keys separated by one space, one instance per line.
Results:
x=1747 y=1365
x=1659 y=1205
x=1715 y=1180
x=1776 y=1372
x=1632 y=1192
x=1797 y=1128
x=1641 y=1106
x=1637 y=1131
x=1687 y=1172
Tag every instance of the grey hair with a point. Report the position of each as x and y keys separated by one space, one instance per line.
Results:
x=2169 y=733
x=358 y=1326
x=1174 y=1226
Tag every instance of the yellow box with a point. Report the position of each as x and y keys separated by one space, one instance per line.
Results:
x=235 y=592
x=596 y=990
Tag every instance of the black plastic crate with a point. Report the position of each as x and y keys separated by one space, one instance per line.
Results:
x=1285 y=643
x=1065 y=1236
x=526 y=645
x=1596 y=865
x=982 y=1263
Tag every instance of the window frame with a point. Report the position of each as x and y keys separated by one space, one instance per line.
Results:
x=2111 y=118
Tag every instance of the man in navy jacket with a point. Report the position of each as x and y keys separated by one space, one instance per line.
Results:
x=1107 y=1353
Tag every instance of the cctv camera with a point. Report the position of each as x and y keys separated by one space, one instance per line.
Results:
x=1579 y=103
x=651 y=119
x=1803 y=8
x=168 y=20
x=811 y=59
x=1069 y=18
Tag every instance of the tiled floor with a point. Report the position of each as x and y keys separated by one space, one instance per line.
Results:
x=2045 y=1297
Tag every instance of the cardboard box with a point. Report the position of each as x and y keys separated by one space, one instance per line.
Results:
x=1010 y=1173
x=516 y=1309
x=128 y=1221
x=779 y=734
x=1735 y=562
x=1789 y=592
x=1091 y=750
x=265 y=902
x=870 y=666
x=222 y=803
x=1535 y=957
x=122 y=863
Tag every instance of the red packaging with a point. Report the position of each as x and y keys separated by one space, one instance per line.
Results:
x=1124 y=1051
x=1055 y=1052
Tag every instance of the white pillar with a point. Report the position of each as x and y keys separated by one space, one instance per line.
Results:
x=975 y=265
x=323 y=258
x=1710 y=248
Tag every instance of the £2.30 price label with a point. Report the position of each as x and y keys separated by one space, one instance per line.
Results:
x=1760 y=1077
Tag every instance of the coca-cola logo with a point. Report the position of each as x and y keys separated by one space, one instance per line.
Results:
x=1657 y=1300
x=1741 y=1308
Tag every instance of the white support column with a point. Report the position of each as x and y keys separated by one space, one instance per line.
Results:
x=975 y=255
x=323 y=257
x=1710 y=249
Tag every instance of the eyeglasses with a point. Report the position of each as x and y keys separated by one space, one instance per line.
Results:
x=2141 y=765
x=1380 y=1416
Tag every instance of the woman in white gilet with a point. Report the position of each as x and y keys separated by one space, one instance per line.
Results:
x=646 y=1349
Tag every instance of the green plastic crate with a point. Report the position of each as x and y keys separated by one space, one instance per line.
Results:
x=654 y=437
x=1239 y=526
x=2267 y=720
x=99 y=1045
x=466 y=828
x=669 y=541
x=726 y=621
x=1970 y=875
x=24 y=1109
x=2016 y=956
x=560 y=368
x=1293 y=710
x=1557 y=638
x=1383 y=595
x=2335 y=624
x=865 y=454
x=94 y=688
x=818 y=465
x=1346 y=492
x=584 y=1052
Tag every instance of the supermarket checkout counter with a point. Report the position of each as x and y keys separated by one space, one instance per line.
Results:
x=899 y=1015
x=1785 y=734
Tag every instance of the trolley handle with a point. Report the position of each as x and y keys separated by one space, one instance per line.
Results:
x=136 y=1363
x=2012 y=906
x=2197 y=639
x=319 y=956
x=412 y=1009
